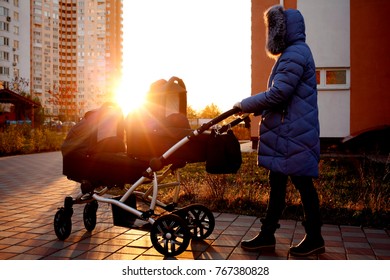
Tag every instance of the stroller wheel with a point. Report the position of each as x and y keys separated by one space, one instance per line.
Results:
x=169 y=235
x=200 y=221
x=89 y=215
x=63 y=223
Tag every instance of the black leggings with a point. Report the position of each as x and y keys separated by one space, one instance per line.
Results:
x=277 y=199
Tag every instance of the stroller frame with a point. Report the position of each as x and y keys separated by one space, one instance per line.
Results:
x=170 y=233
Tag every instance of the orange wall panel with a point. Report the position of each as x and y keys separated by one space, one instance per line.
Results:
x=370 y=61
x=290 y=4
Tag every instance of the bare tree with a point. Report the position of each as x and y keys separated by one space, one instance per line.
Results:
x=64 y=97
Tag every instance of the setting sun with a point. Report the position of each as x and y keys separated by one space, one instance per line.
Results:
x=129 y=96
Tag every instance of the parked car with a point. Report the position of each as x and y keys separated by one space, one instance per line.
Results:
x=68 y=124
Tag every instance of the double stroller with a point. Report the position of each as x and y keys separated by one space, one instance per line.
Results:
x=138 y=154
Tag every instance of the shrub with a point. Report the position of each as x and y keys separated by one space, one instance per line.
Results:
x=21 y=139
x=11 y=141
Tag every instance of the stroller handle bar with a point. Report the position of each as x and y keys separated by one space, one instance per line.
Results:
x=158 y=163
x=218 y=119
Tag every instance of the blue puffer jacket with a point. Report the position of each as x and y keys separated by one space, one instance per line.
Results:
x=289 y=130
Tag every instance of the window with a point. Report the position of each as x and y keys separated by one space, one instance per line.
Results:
x=4 y=41
x=4 y=26
x=4 y=70
x=336 y=77
x=4 y=56
x=4 y=11
x=333 y=78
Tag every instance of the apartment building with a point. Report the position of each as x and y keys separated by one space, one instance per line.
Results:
x=70 y=51
x=14 y=52
x=349 y=41
x=76 y=53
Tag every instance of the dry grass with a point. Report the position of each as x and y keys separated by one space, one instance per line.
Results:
x=351 y=191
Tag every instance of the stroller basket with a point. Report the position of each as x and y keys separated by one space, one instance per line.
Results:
x=120 y=216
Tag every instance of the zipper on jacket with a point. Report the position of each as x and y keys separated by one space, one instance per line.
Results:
x=284 y=112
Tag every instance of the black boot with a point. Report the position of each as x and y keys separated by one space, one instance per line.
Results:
x=312 y=243
x=264 y=241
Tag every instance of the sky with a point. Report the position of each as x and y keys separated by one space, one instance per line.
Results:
x=206 y=43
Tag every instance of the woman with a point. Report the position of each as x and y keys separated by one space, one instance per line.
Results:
x=289 y=131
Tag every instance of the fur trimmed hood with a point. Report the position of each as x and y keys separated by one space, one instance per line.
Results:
x=284 y=28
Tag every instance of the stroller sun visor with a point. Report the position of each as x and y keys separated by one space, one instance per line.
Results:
x=167 y=97
x=161 y=123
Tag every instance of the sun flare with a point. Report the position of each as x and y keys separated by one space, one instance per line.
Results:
x=129 y=98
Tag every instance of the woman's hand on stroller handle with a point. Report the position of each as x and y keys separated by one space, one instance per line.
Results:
x=238 y=108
